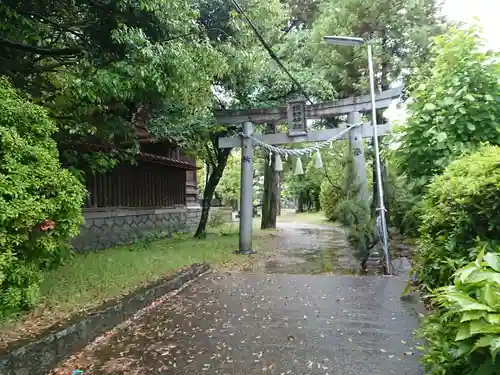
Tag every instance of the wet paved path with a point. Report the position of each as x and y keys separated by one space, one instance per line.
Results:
x=267 y=323
x=305 y=248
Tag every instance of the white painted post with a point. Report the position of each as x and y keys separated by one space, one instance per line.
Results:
x=356 y=147
x=246 y=187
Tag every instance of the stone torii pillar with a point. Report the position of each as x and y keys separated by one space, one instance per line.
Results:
x=356 y=147
x=246 y=191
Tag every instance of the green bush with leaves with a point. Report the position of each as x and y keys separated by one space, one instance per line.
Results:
x=463 y=335
x=453 y=108
x=460 y=211
x=40 y=202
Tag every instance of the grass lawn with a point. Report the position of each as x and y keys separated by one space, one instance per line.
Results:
x=94 y=277
x=89 y=279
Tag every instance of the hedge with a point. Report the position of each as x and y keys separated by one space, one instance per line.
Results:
x=460 y=214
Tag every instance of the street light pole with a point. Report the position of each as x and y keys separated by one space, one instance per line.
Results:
x=381 y=207
x=351 y=41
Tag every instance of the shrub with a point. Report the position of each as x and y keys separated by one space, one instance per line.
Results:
x=403 y=204
x=40 y=202
x=460 y=211
x=332 y=178
x=463 y=335
x=329 y=198
x=340 y=204
x=360 y=226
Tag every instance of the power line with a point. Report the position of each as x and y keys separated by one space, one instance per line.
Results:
x=269 y=50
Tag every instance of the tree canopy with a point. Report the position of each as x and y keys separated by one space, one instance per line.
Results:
x=97 y=65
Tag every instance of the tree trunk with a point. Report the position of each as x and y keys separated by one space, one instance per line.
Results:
x=317 y=201
x=271 y=185
x=209 y=191
x=278 y=194
x=300 y=203
x=270 y=195
x=309 y=200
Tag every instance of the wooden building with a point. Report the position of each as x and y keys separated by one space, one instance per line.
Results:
x=157 y=195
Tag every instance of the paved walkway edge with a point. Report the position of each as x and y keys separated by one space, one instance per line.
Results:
x=42 y=353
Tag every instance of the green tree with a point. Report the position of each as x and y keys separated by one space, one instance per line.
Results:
x=303 y=14
x=307 y=187
x=103 y=67
x=338 y=197
x=454 y=107
x=332 y=186
x=229 y=185
x=228 y=188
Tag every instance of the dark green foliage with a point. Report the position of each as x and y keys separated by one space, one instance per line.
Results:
x=360 y=226
x=355 y=215
x=404 y=205
x=340 y=204
x=307 y=187
x=399 y=32
x=103 y=67
x=463 y=334
x=460 y=211
x=34 y=190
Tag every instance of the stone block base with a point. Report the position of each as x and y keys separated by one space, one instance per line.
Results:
x=108 y=228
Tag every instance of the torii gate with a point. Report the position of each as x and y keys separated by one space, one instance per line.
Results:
x=297 y=113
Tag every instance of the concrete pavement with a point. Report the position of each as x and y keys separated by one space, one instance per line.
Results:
x=257 y=323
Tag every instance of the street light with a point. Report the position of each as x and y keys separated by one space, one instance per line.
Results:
x=344 y=40
x=351 y=41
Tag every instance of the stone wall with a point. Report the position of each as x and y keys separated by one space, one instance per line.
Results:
x=111 y=227
x=193 y=217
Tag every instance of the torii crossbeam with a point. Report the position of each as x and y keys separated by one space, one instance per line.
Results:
x=297 y=114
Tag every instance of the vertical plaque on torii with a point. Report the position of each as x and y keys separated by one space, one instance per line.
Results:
x=297 y=120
